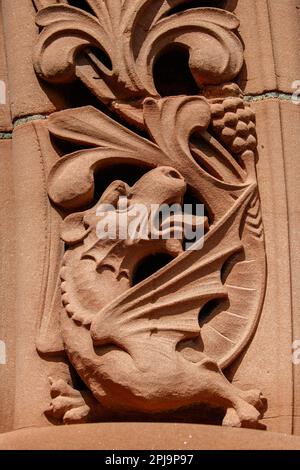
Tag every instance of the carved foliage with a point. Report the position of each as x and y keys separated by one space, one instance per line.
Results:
x=131 y=35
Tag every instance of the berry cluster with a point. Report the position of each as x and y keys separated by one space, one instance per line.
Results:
x=234 y=123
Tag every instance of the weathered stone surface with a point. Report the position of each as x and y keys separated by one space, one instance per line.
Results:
x=35 y=227
x=27 y=96
x=146 y=436
x=8 y=270
x=5 y=115
x=270 y=30
x=279 y=172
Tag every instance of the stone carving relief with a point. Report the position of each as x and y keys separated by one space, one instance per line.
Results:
x=159 y=343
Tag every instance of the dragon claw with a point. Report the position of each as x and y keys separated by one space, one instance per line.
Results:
x=67 y=404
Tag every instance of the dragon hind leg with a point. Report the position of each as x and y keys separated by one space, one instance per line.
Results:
x=242 y=408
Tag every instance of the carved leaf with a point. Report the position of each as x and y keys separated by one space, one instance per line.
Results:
x=132 y=35
x=216 y=54
x=71 y=182
x=66 y=29
x=171 y=121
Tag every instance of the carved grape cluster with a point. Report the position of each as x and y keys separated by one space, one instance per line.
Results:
x=233 y=122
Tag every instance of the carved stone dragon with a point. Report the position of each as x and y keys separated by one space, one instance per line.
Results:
x=148 y=348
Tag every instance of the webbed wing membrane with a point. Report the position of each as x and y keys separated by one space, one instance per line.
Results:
x=168 y=303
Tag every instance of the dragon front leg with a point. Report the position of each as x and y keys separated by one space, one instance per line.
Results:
x=71 y=406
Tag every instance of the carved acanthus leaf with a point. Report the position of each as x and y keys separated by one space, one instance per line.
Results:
x=113 y=144
x=122 y=69
x=171 y=121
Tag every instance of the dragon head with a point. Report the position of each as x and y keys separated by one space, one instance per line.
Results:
x=121 y=204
